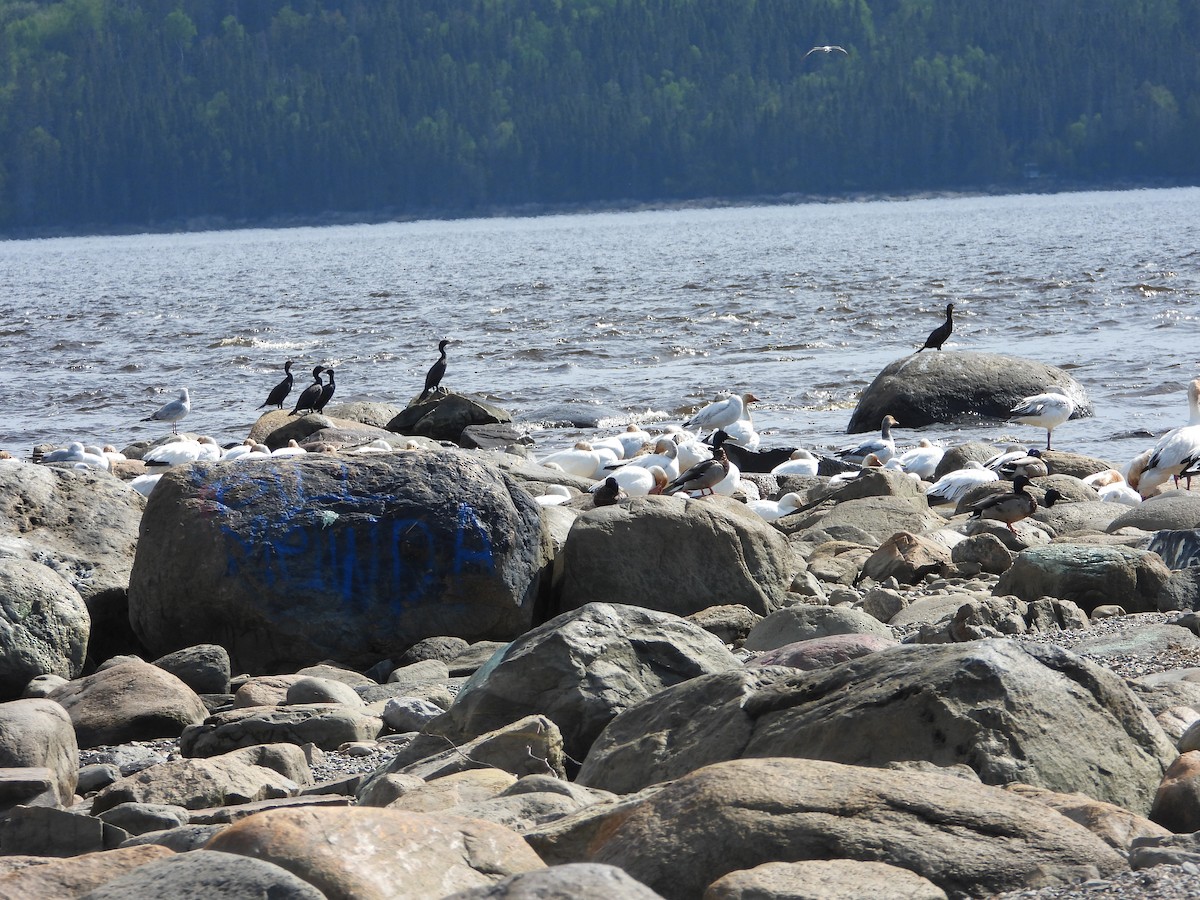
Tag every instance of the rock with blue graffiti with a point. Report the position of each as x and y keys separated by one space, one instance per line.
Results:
x=288 y=562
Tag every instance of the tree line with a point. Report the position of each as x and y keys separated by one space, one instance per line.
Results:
x=145 y=113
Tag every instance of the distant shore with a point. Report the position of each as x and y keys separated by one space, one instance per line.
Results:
x=1044 y=184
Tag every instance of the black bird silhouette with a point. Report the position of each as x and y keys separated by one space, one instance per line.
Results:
x=436 y=372
x=938 y=336
x=280 y=391
x=311 y=395
x=327 y=390
x=608 y=493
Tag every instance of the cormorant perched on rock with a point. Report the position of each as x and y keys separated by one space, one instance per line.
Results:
x=172 y=412
x=280 y=391
x=311 y=395
x=327 y=390
x=938 y=336
x=1007 y=508
x=436 y=372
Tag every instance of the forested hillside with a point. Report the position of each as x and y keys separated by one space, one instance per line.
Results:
x=117 y=113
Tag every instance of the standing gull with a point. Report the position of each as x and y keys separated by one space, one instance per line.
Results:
x=280 y=391
x=172 y=412
x=433 y=378
x=1044 y=411
x=938 y=336
x=311 y=395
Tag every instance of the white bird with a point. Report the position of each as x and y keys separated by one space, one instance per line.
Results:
x=555 y=495
x=825 y=48
x=638 y=481
x=1177 y=450
x=953 y=486
x=721 y=413
x=112 y=454
x=743 y=433
x=248 y=449
x=692 y=452
x=579 y=460
x=921 y=460
x=144 y=484
x=626 y=443
x=1044 y=411
x=180 y=453
x=883 y=447
x=1010 y=452
x=1112 y=488
x=773 y=510
x=75 y=452
x=801 y=463
x=292 y=449
x=378 y=445
x=665 y=455
x=172 y=412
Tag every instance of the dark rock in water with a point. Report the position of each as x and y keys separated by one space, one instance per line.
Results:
x=444 y=416
x=493 y=437
x=927 y=388
x=290 y=562
x=365 y=413
x=572 y=415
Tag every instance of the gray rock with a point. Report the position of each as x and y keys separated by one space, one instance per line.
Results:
x=43 y=686
x=1072 y=517
x=930 y=610
x=74 y=876
x=196 y=784
x=582 y=668
x=204 y=668
x=1035 y=714
x=1148 y=641
x=987 y=552
x=95 y=776
x=403 y=714
x=289 y=760
x=817 y=653
x=44 y=626
x=46 y=831
x=957 y=457
x=183 y=839
x=84 y=526
x=1076 y=465
x=365 y=412
x=476 y=655
x=327 y=726
x=1087 y=575
x=38 y=732
x=204 y=873
x=443 y=417
x=675 y=556
x=823 y=879
x=908 y=558
x=958 y=386
x=1172 y=511
x=1182 y=591
x=879 y=517
x=802 y=623
x=290 y=562
x=140 y=818
x=883 y=603
x=310 y=689
x=577 y=881
x=729 y=622
x=682 y=836
x=441 y=647
x=129 y=701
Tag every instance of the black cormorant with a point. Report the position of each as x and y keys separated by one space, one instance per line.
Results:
x=434 y=377
x=311 y=395
x=280 y=391
x=938 y=336
x=327 y=390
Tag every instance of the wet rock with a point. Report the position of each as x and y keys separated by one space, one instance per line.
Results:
x=958 y=386
x=287 y=563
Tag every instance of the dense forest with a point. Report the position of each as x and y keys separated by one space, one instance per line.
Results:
x=159 y=113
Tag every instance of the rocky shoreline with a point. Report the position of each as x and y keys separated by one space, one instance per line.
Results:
x=414 y=661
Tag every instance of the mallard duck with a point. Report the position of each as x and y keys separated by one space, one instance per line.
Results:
x=1007 y=508
x=702 y=477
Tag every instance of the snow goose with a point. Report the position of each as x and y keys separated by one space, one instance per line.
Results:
x=773 y=510
x=1112 y=488
x=579 y=460
x=721 y=413
x=638 y=481
x=180 y=453
x=1176 y=451
x=1043 y=411
x=953 y=486
x=801 y=462
x=292 y=449
x=921 y=460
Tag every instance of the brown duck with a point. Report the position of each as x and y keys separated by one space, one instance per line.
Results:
x=1007 y=508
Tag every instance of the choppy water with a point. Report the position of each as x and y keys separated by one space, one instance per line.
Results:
x=613 y=317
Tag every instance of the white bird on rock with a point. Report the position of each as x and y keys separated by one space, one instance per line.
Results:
x=1044 y=411
x=638 y=481
x=882 y=447
x=579 y=460
x=953 y=486
x=773 y=510
x=1177 y=450
x=180 y=453
x=1112 y=488
x=921 y=460
x=801 y=463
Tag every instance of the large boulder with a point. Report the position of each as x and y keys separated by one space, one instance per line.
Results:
x=581 y=669
x=38 y=733
x=373 y=854
x=675 y=556
x=969 y=839
x=958 y=386
x=84 y=526
x=290 y=562
x=1089 y=575
x=44 y=626
x=197 y=784
x=129 y=700
x=1037 y=714
x=878 y=517
x=444 y=416
x=203 y=873
x=1172 y=511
